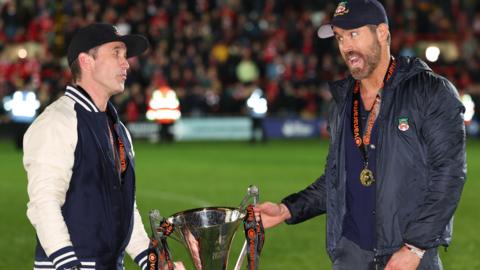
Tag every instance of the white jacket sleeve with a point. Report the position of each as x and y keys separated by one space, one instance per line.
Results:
x=49 y=146
x=138 y=245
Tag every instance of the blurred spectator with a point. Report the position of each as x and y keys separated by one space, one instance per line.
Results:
x=247 y=70
x=135 y=108
x=257 y=107
x=22 y=107
x=164 y=108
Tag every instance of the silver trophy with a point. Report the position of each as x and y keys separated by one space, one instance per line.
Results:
x=207 y=233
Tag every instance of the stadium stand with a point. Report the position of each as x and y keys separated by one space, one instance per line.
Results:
x=198 y=47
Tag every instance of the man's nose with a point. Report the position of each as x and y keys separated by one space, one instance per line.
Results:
x=347 y=46
x=124 y=64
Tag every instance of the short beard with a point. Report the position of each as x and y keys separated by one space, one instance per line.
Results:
x=372 y=59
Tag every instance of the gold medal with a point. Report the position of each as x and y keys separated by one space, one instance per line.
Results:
x=366 y=177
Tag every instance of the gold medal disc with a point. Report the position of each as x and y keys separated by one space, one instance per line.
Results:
x=366 y=177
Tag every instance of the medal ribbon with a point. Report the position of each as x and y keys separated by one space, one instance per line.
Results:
x=363 y=141
x=255 y=235
x=159 y=254
x=118 y=157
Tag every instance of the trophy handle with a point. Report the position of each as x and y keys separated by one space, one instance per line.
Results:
x=161 y=229
x=252 y=193
x=156 y=221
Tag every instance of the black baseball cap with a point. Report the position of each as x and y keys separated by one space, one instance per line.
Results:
x=97 y=34
x=354 y=14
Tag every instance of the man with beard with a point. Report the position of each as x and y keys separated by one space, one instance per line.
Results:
x=396 y=164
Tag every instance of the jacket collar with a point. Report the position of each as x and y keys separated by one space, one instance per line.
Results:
x=341 y=88
x=406 y=68
x=81 y=97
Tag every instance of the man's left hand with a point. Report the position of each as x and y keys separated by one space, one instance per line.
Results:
x=403 y=259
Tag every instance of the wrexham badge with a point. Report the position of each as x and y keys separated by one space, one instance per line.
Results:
x=403 y=123
x=341 y=9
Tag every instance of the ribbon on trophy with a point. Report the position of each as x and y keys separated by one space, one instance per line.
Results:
x=159 y=255
x=255 y=235
x=152 y=254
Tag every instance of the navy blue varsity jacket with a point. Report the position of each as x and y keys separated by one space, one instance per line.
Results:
x=81 y=203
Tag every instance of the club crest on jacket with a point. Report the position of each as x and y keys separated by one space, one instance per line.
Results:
x=403 y=124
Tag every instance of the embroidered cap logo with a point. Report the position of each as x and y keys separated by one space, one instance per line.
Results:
x=341 y=9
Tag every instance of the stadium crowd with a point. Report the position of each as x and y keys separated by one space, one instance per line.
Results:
x=211 y=51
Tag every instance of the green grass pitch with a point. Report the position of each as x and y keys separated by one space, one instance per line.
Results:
x=187 y=175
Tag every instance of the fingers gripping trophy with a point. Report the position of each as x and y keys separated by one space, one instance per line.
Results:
x=207 y=234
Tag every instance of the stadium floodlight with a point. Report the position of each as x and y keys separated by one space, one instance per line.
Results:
x=432 y=53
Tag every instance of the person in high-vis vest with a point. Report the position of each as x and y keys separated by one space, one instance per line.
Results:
x=164 y=108
x=258 y=108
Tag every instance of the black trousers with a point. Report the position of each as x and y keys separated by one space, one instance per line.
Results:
x=258 y=129
x=165 y=132
x=351 y=257
x=19 y=131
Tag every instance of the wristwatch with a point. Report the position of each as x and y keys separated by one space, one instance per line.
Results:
x=415 y=250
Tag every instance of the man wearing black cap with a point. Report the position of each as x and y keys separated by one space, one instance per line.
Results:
x=396 y=164
x=80 y=162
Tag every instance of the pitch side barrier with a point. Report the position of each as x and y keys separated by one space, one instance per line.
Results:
x=231 y=128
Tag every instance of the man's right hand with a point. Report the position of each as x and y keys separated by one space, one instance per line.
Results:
x=272 y=213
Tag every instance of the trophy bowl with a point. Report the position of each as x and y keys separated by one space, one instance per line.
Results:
x=207 y=233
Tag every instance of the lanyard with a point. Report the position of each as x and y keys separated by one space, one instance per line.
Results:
x=117 y=149
x=362 y=142
x=255 y=234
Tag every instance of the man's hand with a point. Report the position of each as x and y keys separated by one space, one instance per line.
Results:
x=272 y=214
x=403 y=259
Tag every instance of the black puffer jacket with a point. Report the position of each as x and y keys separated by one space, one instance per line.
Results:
x=420 y=171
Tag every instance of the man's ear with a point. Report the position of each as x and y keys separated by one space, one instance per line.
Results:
x=383 y=32
x=85 y=61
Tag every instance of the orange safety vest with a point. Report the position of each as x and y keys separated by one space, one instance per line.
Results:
x=164 y=106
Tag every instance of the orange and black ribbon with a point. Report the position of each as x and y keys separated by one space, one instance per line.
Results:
x=165 y=256
x=123 y=158
x=255 y=235
x=120 y=158
x=159 y=255
x=363 y=141
x=153 y=254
